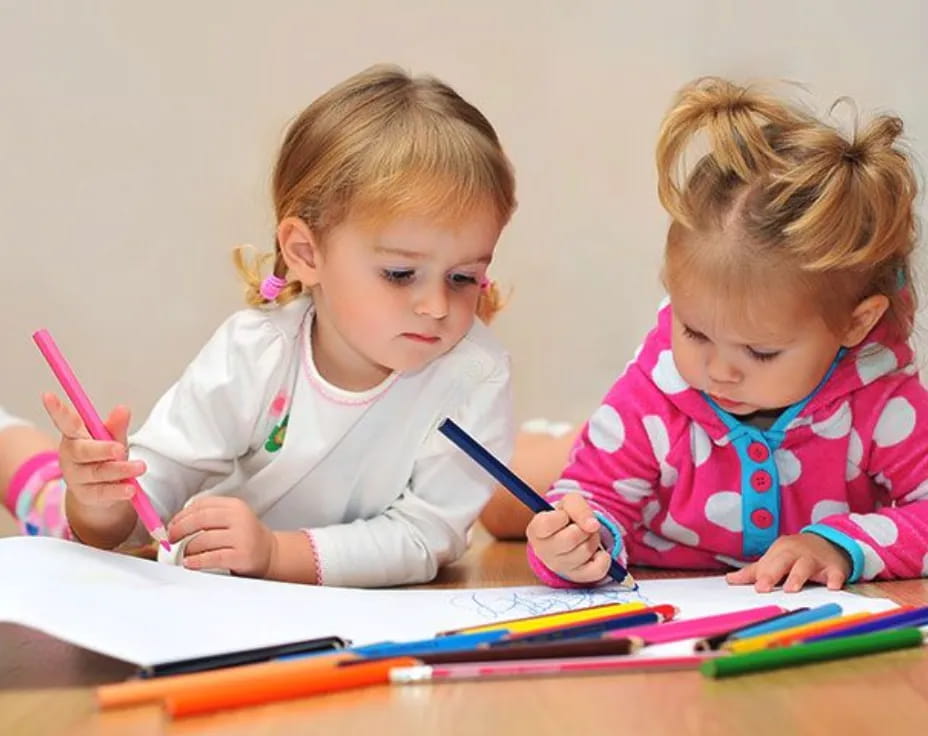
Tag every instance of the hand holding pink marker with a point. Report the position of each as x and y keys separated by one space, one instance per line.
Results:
x=96 y=427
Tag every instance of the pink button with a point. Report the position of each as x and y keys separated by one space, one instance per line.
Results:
x=758 y=452
x=761 y=518
x=761 y=481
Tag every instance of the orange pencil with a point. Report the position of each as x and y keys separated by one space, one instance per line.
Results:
x=797 y=633
x=828 y=627
x=281 y=686
x=136 y=692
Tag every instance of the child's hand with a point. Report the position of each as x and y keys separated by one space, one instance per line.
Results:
x=567 y=541
x=231 y=538
x=95 y=471
x=800 y=558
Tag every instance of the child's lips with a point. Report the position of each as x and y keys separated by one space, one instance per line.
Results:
x=418 y=337
x=723 y=402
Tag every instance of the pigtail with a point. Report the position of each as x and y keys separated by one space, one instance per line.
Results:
x=490 y=302
x=738 y=124
x=249 y=264
x=856 y=197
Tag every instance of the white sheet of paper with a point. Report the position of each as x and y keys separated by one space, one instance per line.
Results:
x=146 y=613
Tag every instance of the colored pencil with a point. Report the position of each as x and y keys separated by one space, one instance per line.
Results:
x=712 y=643
x=276 y=687
x=698 y=627
x=807 y=632
x=427 y=646
x=545 y=650
x=849 y=646
x=788 y=636
x=97 y=429
x=545 y=620
x=515 y=485
x=615 y=625
x=247 y=656
x=819 y=613
x=135 y=692
x=542 y=668
x=896 y=620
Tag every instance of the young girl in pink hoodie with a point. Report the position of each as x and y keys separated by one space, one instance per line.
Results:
x=773 y=421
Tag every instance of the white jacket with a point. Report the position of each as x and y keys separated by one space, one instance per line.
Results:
x=386 y=497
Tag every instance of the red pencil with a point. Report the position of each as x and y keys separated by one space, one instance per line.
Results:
x=543 y=667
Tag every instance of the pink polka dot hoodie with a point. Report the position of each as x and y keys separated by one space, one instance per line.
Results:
x=687 y=485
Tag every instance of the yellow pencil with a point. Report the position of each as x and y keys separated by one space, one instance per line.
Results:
x=546 y=621
x=788 y=636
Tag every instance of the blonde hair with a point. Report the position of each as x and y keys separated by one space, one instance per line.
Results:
x=379 y=145
x=793 y=200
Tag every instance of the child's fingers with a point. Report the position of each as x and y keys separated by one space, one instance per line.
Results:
x=580 y=512
x=66 y=420
x=118 y=424
x=546 y=524
x=834 y=578
x=109 y=472
x=579 y=555
x=211 y=539
x=592 y=571
x=215 y=558
x=104 y=494
x=771 y=569
x=744 y=576
x=196 y=518
x=83 y=451
x=803 y=569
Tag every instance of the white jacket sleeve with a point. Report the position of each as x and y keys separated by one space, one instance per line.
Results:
x=206 y=420
x=426 y=527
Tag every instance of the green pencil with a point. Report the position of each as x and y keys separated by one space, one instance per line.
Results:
x=849 y=646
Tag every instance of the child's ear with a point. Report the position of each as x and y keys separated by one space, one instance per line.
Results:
x=864 y=318
x=300 y=248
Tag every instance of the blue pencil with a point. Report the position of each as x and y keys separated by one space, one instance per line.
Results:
x=515 y=485
x=918 y=617
x=581 y=630
x=800 y=618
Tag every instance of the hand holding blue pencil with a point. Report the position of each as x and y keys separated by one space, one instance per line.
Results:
x=515 y=485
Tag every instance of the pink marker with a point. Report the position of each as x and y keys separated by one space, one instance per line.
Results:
x=698 y=627
x=74 y=390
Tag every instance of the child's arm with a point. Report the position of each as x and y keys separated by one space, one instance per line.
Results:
x=613 y=468
x=426 y=527
x=893 y=541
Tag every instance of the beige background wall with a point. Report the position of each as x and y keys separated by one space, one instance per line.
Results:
x=136 y=141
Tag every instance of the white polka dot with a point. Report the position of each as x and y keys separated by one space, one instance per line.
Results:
x=896 y=423
x=607 y=431
x=873 y=563
x=700 y=444
x=723 y=441
x=659 y=543
x=874 y=360
x=731 y=561
x=798 y=422
x=881 y=528
x=824 y=509
x=566 y=485
x=788 y=466
x=910 y=370
x=633 y=489
x=837 y=425
x=919 y=494
x=660 y=445
x=883 y=481
x=650 y=511
x=724 y=508
x=925 y=566
x=855 y=454
x=673 y=530
x=666 y=376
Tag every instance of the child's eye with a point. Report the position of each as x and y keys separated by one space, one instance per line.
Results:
x=398 y=275
x=762 y=357
x=462 y=279
x=693 y=335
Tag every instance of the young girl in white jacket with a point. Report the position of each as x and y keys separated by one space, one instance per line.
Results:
x=301 y=443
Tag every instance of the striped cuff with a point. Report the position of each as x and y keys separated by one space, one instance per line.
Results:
x=846 y=543
x=316 y=558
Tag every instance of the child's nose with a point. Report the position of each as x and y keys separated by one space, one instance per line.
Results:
x=722 y=371
x=432 y=302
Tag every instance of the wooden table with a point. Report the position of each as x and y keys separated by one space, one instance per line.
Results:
x=46 y=686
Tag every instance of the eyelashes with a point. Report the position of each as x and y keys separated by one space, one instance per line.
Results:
x=405 y=276
x=754 y=354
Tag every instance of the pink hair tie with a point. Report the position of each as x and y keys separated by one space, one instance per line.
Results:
x=272 y=286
